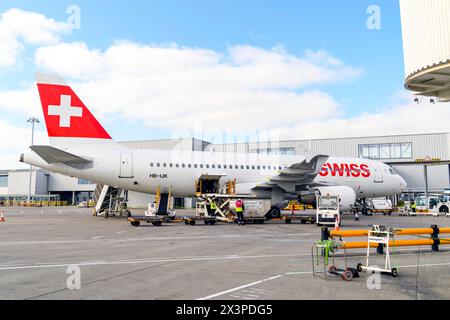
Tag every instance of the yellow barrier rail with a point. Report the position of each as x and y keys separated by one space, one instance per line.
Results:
x=433 y=240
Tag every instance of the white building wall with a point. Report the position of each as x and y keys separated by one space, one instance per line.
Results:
x=18 y=182
x=59 y=182
x=426 y=33
x=423 y=145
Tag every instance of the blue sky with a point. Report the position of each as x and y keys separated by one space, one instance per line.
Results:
x=371 y=62
x=338 y=27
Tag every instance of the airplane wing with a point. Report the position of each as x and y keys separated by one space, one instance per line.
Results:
x=299 y=175
x=53 y=155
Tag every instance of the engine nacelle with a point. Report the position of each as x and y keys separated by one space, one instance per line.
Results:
x=347 y=196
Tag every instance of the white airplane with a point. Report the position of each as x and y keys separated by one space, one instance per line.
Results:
x=80 y=147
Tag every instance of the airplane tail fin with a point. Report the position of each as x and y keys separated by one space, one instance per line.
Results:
x=69 y=122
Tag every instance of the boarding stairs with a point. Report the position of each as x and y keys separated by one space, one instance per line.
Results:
x=109 y=201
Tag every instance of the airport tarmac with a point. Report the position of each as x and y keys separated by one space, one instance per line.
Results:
x=176 y=261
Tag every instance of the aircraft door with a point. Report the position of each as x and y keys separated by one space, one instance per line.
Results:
x=126 y=165
x=378 y=175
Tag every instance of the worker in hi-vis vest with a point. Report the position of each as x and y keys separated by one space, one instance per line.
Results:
x=213 y=208
x=240 y=211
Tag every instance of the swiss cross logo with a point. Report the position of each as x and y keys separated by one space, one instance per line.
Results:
x=65 y=111
x=66 y=115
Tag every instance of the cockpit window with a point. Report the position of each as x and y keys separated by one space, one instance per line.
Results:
x=392 y=171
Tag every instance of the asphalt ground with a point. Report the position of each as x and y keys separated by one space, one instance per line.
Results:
x=42 y=250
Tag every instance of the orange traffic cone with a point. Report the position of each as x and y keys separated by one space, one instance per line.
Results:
x=336 y=223
x=2 y=217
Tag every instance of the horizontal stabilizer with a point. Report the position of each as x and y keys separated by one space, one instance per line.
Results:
x=53 y=155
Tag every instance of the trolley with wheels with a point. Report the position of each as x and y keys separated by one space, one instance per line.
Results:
x=381 y=236
x=321 y=253
x=157 y=221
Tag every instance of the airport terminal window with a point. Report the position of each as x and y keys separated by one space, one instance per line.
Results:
x=386 y=151
x=277 y=151
x=82 y=181
x=3 y=181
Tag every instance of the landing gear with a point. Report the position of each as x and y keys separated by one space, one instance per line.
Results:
x=274 y=213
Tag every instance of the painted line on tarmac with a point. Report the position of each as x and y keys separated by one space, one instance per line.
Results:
x=215 y=295
x=233 y=236
x=241 y=287
x=125 y=262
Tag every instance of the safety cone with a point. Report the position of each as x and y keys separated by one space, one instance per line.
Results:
x=2 y=217
x=336 y=224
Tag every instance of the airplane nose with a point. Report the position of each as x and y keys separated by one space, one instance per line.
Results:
x=403 y=184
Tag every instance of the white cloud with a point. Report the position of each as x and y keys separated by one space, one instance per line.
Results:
x=174 y=87
x=405 y=118
x=16 y=140
x=18 y=27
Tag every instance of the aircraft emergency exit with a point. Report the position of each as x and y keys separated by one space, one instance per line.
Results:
x=80 y=147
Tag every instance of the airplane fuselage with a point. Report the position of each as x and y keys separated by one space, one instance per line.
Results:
x=145 y=170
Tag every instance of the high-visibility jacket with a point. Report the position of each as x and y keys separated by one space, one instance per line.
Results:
x=239 y=206
x=213 y=205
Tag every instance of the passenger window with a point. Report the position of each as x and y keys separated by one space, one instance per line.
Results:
x=259 y=168
x=177 y=165
x=224 y=166
x=170 y=165
x=189 y=165
x=157 y=164
x=213 y=166
x=151 y=164
x=219 y=166
x=183 y=165
x=236 y=167
x=207 y=166
x=264 y=167
x=164 y=164
x=195 y=166
x=248 y=167
x=242 y=167
x=253 y=167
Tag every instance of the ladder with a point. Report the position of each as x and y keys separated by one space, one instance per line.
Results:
x=107 y=199
x=163 y=202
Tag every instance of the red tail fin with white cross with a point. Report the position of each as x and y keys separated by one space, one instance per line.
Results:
x=65 y=114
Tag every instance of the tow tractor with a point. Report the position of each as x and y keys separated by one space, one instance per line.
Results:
x=381 y=236
x=434 y=205
x=328 y=211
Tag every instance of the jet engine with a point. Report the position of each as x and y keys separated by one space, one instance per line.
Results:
x=347 y=196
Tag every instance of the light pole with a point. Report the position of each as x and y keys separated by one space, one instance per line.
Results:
x=32 y=121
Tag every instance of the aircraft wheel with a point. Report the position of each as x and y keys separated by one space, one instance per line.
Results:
x=274 y=213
